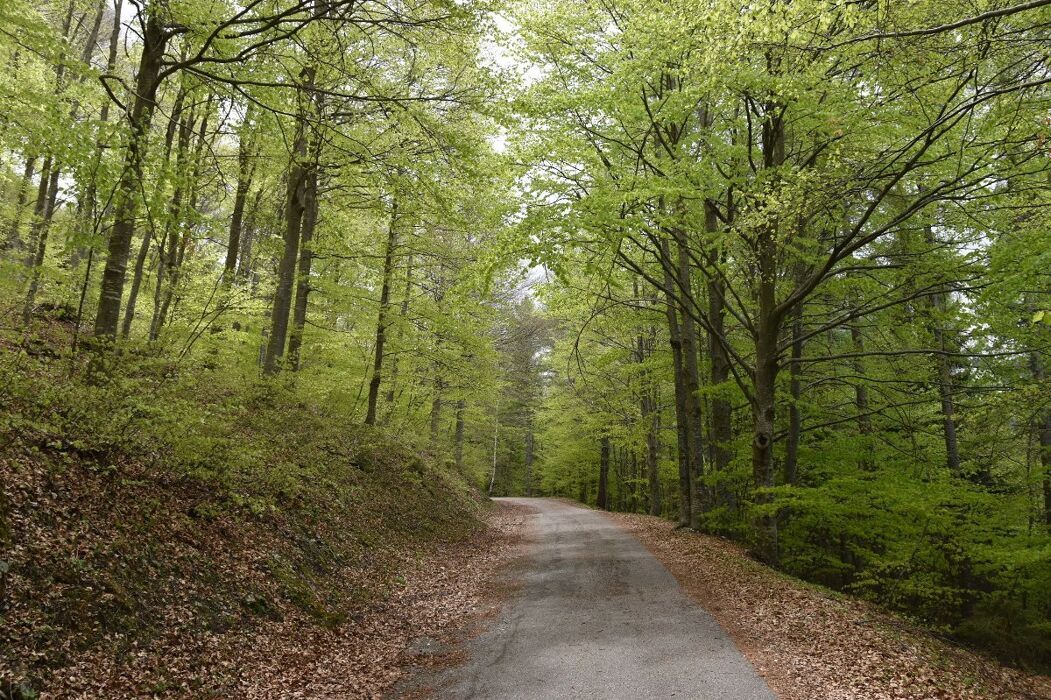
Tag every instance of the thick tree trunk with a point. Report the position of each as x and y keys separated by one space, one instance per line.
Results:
x=306 y=259
x=681 y=410
x=384 y=311
x=767 y=331
x=154 y=41
x=295 y=195
x=603 y=474
x=692 y=385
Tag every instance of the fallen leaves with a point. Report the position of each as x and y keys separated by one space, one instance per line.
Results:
x=811 y=644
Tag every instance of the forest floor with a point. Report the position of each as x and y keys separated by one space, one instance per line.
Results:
x=170 y=535
x=809 y=642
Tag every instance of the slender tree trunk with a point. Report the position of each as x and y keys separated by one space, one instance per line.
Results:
x=381 y=322
x=1042 y=428
x=436 y=409
x=651 y=419
x=244 y=261
x=40 y=237
x=13 y=240
x=461 y=409
x=603 y=473
x=795 y=418
x=39 y=209
x=245 y=170
x=529 y=444
x=402 y=314
x=154 y=41
x=861 y=396
x=946 y=392
x=722 y=418
x=306 y=258
x=179 y=235
x=136 y=283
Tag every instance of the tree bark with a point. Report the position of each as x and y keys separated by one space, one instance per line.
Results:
x=245 y=171
x=294 y=207
x=40 y=238
x=692 y=385
x=861 y=397
x=384 y=311
x=767 y=332
x=13 y=240
x=306 y=259
x=154 y=41
x=795 y=418
x=603 y=474
x=681 y=411
x=461 y=407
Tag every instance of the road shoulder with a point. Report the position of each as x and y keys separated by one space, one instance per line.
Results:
x=808 y=642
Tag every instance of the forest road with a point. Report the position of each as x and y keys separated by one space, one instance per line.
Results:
x=598 y=617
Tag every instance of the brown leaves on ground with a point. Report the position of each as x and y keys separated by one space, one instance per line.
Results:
x=364 y=657
x=183 y=607
x=812 y=644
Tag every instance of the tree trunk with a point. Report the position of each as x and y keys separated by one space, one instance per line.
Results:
x=245 y=171
x=681 y=412
x=436 y=409
x=651 y=419
x=40 y=237
x=306 y=259
x=384 y=311
x=294 y=206
x=154 y=41
x=244 y=259
x=767 y=332
x=402 y=314
x=603 y=474
x=861 y=397
x=795 y=418
x=529 y=456
x=692 y=385
x=13 y=240
x=136 y=283
x=461 y=407
x=39 y=209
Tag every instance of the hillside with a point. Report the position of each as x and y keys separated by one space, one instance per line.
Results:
x=165 y=532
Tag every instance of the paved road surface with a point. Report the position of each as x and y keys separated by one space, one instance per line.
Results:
x=599 y=617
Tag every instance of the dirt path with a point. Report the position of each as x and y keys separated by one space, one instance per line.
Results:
x=599 y=617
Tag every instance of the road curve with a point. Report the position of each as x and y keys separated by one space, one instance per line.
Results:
x=599 y=617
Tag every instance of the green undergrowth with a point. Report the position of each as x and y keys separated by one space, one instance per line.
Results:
x=151 y=498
